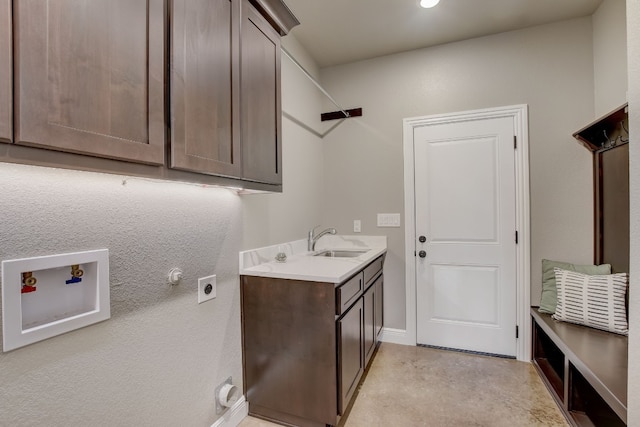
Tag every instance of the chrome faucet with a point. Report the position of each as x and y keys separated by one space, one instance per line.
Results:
x=312 y=239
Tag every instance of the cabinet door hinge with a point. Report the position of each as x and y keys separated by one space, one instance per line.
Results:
x=515 y=142
x=516 y=237
x=517 y=332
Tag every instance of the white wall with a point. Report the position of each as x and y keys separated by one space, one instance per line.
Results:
x=633 y=45
x=610 y=56
x=158 y=360
x=549 y=67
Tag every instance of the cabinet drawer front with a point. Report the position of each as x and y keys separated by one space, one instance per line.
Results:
x=372 y=270
x=348 y=293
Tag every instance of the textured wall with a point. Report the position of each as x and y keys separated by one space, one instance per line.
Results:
x=633 y=44
x=610 y=56
x=160 y=357
x=549 y=67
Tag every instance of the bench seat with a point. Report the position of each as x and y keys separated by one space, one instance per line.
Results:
x=594 y=360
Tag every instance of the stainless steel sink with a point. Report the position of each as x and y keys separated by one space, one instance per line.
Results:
x=340 y=254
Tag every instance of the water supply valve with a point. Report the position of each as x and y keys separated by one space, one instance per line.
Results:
x=28 y=282
x=76 y=275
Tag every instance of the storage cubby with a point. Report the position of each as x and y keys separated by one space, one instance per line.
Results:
x=549 y=359
x=586 y=406
x=585 y=370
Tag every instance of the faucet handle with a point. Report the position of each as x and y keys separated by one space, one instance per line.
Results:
x=311 y=238
x=312 y=232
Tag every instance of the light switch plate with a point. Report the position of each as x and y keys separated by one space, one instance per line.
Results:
x=357 y=226
x=206 y=288
x=388 y=220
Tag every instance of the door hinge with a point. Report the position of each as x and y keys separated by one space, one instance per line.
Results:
x=515 y=142
x=517 y=332
x=516 y=237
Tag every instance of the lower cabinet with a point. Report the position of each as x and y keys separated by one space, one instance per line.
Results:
x=306 y=345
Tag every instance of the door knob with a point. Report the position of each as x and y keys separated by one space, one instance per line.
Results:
x=422 y=239
x=422 y=254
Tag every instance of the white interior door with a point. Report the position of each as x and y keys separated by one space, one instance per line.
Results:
x=465 y=208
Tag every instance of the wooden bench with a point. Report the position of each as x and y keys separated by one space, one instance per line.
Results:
x=584 y=369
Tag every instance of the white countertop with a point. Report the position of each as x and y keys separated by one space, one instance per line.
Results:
x=302 y=265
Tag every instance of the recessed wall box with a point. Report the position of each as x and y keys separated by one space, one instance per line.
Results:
x=47 y=296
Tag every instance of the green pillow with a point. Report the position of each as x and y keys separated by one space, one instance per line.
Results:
x=548 y=299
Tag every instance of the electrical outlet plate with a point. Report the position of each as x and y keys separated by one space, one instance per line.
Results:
x=206 y=288
x=219 y=407
x=357 y=226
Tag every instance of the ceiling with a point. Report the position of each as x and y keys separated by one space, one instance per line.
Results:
x=340 y=31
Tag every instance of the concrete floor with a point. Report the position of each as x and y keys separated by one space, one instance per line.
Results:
x=416 y=386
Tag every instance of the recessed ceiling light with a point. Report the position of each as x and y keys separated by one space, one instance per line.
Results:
x=428 y=3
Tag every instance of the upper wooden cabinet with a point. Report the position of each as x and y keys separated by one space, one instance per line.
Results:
x=261 y=116
x=225 y=90
x=205 y=86
x=89 y=77
x=5 y=71
x=94 y=80
x=278 y=14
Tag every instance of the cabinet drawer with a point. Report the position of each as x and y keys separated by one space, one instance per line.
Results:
x=372 y=270
x=348 y=293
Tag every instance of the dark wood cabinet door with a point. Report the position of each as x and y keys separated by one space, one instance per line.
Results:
x=379 y=308
x=260 y=106
x=205 y=86
x=289 y=349
x=611 y=194
x=350 y=353
x=369 y=335
x=5 y=71
x=90 y=77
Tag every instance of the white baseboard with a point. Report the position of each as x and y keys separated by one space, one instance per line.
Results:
x=234 y=415
x=396 y=336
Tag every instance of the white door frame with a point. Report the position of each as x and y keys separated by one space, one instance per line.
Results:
x=519 y=114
